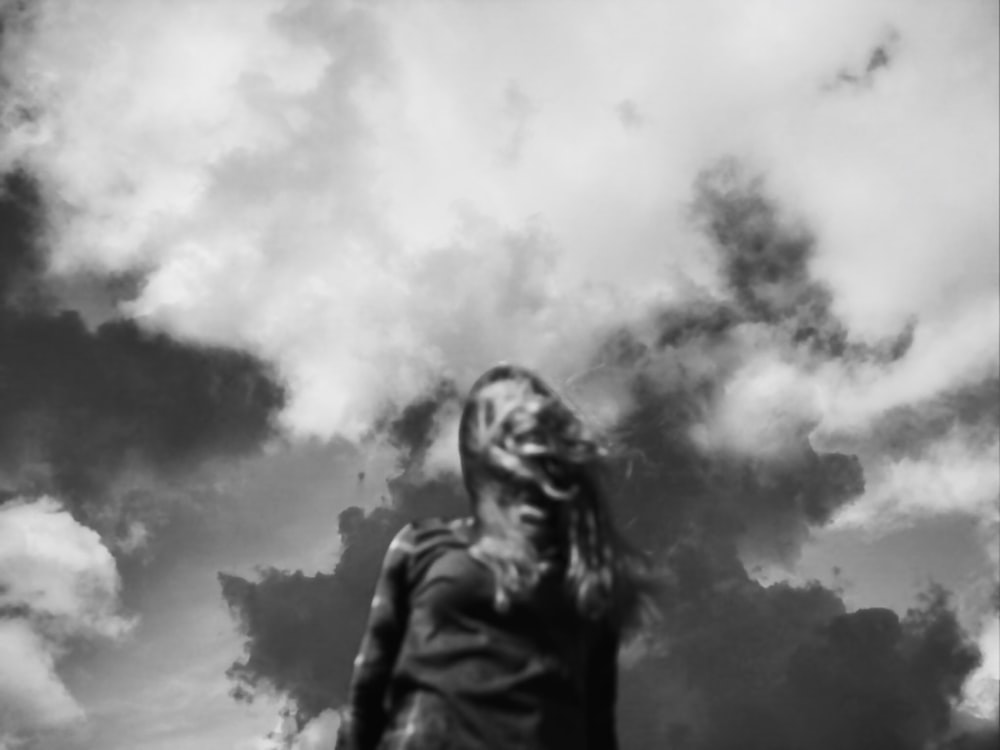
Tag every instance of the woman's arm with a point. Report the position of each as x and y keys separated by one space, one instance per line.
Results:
x=366 y=715
x=602 y=691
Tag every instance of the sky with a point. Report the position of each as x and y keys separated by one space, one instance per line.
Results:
x=253 y=252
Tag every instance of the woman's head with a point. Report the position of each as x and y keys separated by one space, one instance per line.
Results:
x=518 y=435
x=531 y=466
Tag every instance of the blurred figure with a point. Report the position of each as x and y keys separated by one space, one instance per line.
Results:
x=501 y=631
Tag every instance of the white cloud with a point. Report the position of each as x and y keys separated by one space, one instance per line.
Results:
x=958 y=474
x=900 y=181
x=31 y=693
x=320 y=733
x=57 y=582
x=982 y=689
x=767 y=408
x=321 y=183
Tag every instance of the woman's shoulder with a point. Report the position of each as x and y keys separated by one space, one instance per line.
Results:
x=425 y=540
x=433 y=531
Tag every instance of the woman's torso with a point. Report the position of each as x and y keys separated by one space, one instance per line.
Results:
x=474 y=676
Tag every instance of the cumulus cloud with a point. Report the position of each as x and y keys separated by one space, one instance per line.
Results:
x=319 y=733
x=981 y=690
x=339 y=161
x=33 y=696
x=104 y=413
x=58 y=583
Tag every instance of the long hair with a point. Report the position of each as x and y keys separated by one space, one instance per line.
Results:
x=517 y=435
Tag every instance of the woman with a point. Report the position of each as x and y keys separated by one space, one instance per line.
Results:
x=501 y=631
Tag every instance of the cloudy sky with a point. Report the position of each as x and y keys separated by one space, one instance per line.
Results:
x=251 y=250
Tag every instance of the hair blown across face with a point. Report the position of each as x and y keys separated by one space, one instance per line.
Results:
x=516 y=427
x=518 y=439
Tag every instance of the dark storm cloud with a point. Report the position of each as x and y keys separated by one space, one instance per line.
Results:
x=732 y=664
x=20 y=217
x=983 y=738
x=765 y=262
x=303 y=631
x=79 y=405
x=298 y=628
x=786 y=668
x=411 y=430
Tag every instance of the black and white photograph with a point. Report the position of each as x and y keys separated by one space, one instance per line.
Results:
x=499 y=374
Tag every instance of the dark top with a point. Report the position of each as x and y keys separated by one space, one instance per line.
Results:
x=438 y=654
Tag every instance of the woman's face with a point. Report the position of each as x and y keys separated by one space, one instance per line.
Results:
x=524 y=507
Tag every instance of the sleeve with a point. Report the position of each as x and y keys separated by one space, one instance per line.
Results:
x=602 y=691
x=364 y=721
